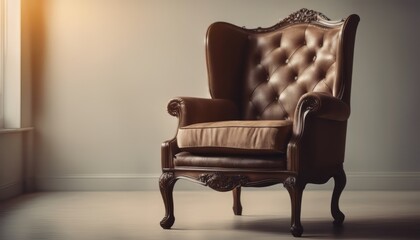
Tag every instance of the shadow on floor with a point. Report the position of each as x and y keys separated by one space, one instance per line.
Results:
x=404 y=227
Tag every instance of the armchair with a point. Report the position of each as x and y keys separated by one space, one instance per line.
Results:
x=278 y=113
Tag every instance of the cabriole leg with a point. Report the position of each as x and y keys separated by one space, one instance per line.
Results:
x=295 y=190
x=166 y=184
x=237 y=206
x=340 y=183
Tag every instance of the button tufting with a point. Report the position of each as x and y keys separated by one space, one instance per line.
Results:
x=288 y=66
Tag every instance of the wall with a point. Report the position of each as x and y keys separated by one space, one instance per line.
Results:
x=103 y=71
x=16 y=175
x=10 y=165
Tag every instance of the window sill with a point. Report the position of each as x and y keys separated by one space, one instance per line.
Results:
x=15 y=130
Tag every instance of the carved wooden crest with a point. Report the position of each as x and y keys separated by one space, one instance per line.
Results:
x=302 y=16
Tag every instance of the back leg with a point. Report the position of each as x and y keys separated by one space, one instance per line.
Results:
x=340 y=182
x=237 y=206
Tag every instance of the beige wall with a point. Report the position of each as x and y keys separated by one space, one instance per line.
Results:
x=10 y=165
x=103 y=71
x=16 y=175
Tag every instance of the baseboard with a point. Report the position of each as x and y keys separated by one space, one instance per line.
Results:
x=10 y=190
x=148 y=182
x=383 y=181
x=98 y=182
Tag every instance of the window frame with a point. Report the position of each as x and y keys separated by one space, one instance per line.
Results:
x=2 y=49
x=10 y=64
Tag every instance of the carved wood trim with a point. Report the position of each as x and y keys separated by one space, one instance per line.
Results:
x=290 y=183
x=301 y=16
x=222 y=183
x=304 y=16
x=165 y=179
x=311 y=104
x=174 y=107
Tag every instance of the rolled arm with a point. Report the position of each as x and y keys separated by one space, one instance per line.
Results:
x=323 y=106
x=190 y=110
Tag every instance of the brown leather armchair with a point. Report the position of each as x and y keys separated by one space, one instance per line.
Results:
x=278 y=113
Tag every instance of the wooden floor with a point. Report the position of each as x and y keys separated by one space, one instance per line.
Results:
x=206 y=215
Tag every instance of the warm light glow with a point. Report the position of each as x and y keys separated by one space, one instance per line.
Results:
x=11 y=72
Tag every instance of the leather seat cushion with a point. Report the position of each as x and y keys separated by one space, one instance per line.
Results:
x=186 y=159
x=236 y=137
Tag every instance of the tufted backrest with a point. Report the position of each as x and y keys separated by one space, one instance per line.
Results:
x=283 y=65
x=265 y=71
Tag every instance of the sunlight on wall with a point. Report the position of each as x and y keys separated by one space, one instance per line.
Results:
x=103 y=72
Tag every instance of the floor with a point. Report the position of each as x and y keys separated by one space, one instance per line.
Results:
x=206 y=215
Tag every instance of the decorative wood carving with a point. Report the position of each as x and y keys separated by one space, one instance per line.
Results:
x=222 y=183
x=311 y=104
x=302 y=16
x=165 y=179
x=290 y=182
x=174 y=107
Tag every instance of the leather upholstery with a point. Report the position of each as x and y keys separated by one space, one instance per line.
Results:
x=298 y=70
x=278 y=67
x=185 y=159
x=233 y=137
x=265 y=75
x=284 y=65
x=190 y=110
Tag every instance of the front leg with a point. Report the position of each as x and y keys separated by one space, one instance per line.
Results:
x=166 y=184
x=295 y=189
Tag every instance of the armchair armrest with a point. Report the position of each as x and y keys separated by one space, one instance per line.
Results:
x=191 y=110
x=321 y=119
x=323 y=106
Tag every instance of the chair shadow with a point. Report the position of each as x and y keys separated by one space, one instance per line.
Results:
x=404 y=227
